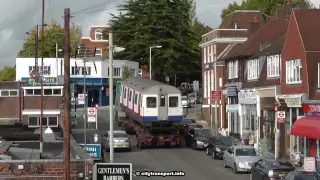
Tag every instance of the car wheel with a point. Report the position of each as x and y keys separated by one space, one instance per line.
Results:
x=207 y=151
x=225 y=163
x=235 y=168
x=214 y=155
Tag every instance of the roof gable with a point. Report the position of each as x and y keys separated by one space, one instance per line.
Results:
x=274 y=48
x=242 y=19
x=270 y=32
x=308 y=22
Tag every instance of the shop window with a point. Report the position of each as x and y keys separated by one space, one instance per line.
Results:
x=173 y=101
x=53 y=121
x=151 y=102
x=33 y=121
x=47 y=91
x=7 y=93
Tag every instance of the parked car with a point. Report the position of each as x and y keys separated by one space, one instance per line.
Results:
x=184 y=124
x=271 y=168
x=185 y=102
x=301 y=175
x=217 y=146
x=121 y=140
x=198 y=138
x=240 y=158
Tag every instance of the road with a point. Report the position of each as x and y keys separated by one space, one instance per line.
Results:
x=195 y=164
x=193 y=112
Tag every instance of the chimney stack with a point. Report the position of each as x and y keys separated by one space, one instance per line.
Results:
x=255 y=25
x=280 y=11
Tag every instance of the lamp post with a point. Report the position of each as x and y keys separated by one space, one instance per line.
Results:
x=150 y=59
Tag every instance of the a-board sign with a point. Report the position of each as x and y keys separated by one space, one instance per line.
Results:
x=309 y=164
x=104 y=171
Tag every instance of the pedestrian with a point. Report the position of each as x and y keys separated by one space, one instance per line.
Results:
x=246 y=136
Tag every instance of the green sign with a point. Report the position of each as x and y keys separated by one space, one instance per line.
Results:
x=232 y=108
x=77 y=114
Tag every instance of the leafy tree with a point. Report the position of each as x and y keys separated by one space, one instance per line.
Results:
x=268 y=7
x=145 y=23
x=126 y=73
x=53 y=34
x=199 y=29
x=8 y=73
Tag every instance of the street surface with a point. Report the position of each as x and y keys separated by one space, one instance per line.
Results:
x=195 y=164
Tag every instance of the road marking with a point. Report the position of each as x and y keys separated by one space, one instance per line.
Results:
x=224 y=171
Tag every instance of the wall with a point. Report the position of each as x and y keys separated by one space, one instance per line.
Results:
x=119 y=64
x=51 y=169
x=293 y=49
x=9 y=105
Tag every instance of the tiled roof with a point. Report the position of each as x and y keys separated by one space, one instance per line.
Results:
x=274 y=48
x=270 y=32
x=242 y=18
x=309 y=26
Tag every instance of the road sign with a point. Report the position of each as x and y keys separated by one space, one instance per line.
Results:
x=91 y=111
x=76 y=114
x=309 y=164
x=102 y=171
x=81 y=98
x=281 y=114
x=216 y=95
x=196 y=86
x=92 y=115
x=93 y=150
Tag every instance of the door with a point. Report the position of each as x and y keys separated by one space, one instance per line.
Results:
x=163 y=107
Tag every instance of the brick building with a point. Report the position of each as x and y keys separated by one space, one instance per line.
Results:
x=234 y=29
x=96 y=39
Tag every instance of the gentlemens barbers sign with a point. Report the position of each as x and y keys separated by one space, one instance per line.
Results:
x=112 y=171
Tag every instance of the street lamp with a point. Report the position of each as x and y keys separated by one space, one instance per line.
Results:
x=150 y=59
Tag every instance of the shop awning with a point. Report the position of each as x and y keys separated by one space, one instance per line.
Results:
x=307 y=127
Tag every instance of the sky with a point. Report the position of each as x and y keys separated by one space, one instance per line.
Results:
x=18 y=16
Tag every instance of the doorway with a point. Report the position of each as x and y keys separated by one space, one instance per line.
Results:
x=93 y=97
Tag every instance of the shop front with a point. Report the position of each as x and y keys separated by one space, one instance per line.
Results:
x=308 y=128
x=291 y=105
x=232 y=110
x=247 y=109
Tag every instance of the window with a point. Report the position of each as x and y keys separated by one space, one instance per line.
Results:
x=162 y=101
x=253 y=68
x=140 y=100
x=125 y=93
x=273 y=66
x=57 y=91
x=293 y=71
x=204 y=85
x=86 y=70
x=151 y=102
x=53 y=121
x=37 y=91
x=46 y=69
x=233 y=69
x=47 y=91
x=136 y=99
x=75 y=70
x=7 y=93
x=130 y=94
x=98 y=52
x=116 y=72
x=173 y=101
x=33 y=121
x=205 y=54
x=98 y=34
x=133 y=72
x=80 y=70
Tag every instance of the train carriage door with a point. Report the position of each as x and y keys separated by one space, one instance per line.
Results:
x=163 y=107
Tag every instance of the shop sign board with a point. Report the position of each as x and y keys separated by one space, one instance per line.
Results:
x=216 y=95
x=247 y=97
x=293 y=102
x=232 y=108
x=311 y=110
x=104 y=171
x=309 y=164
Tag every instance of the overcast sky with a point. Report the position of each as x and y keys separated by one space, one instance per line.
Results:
x=18 y=16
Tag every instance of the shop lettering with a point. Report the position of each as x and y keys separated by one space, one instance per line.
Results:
x=114 y=171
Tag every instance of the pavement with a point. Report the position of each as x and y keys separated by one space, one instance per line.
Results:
x=195 y=164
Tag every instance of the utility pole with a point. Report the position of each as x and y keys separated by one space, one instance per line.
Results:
x=57 y=62
x=66 y=87
x=111 y=94
x=36 y=48
x=41 y=80
x=215 y=102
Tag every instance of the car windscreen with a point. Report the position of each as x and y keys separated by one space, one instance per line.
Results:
x=223 y=141
x=119 y=135
x=245 y=152
x=203 y=133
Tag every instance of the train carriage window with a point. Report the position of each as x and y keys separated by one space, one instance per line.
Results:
x=130 y=96
x=173 y=101
x=151 y=102
x=162 y=101
x=125 y=93
x=136 y=99
x=140 y=101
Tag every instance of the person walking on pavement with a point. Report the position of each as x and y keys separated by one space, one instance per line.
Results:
x=246 y=136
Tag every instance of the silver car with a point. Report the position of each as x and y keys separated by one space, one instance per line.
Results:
x=185 y=102
x=121 y=140
x=240 y=158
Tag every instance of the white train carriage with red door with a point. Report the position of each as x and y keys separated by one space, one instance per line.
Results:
x=153 y=111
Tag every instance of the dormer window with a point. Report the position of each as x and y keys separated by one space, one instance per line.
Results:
x=98 y=34
x=273 y=66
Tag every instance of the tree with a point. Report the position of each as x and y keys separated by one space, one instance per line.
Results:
x=53 y=34
x=143 y=23
x=126 y=73
x=8 y=73
x=199 y=29
x=268 y=7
